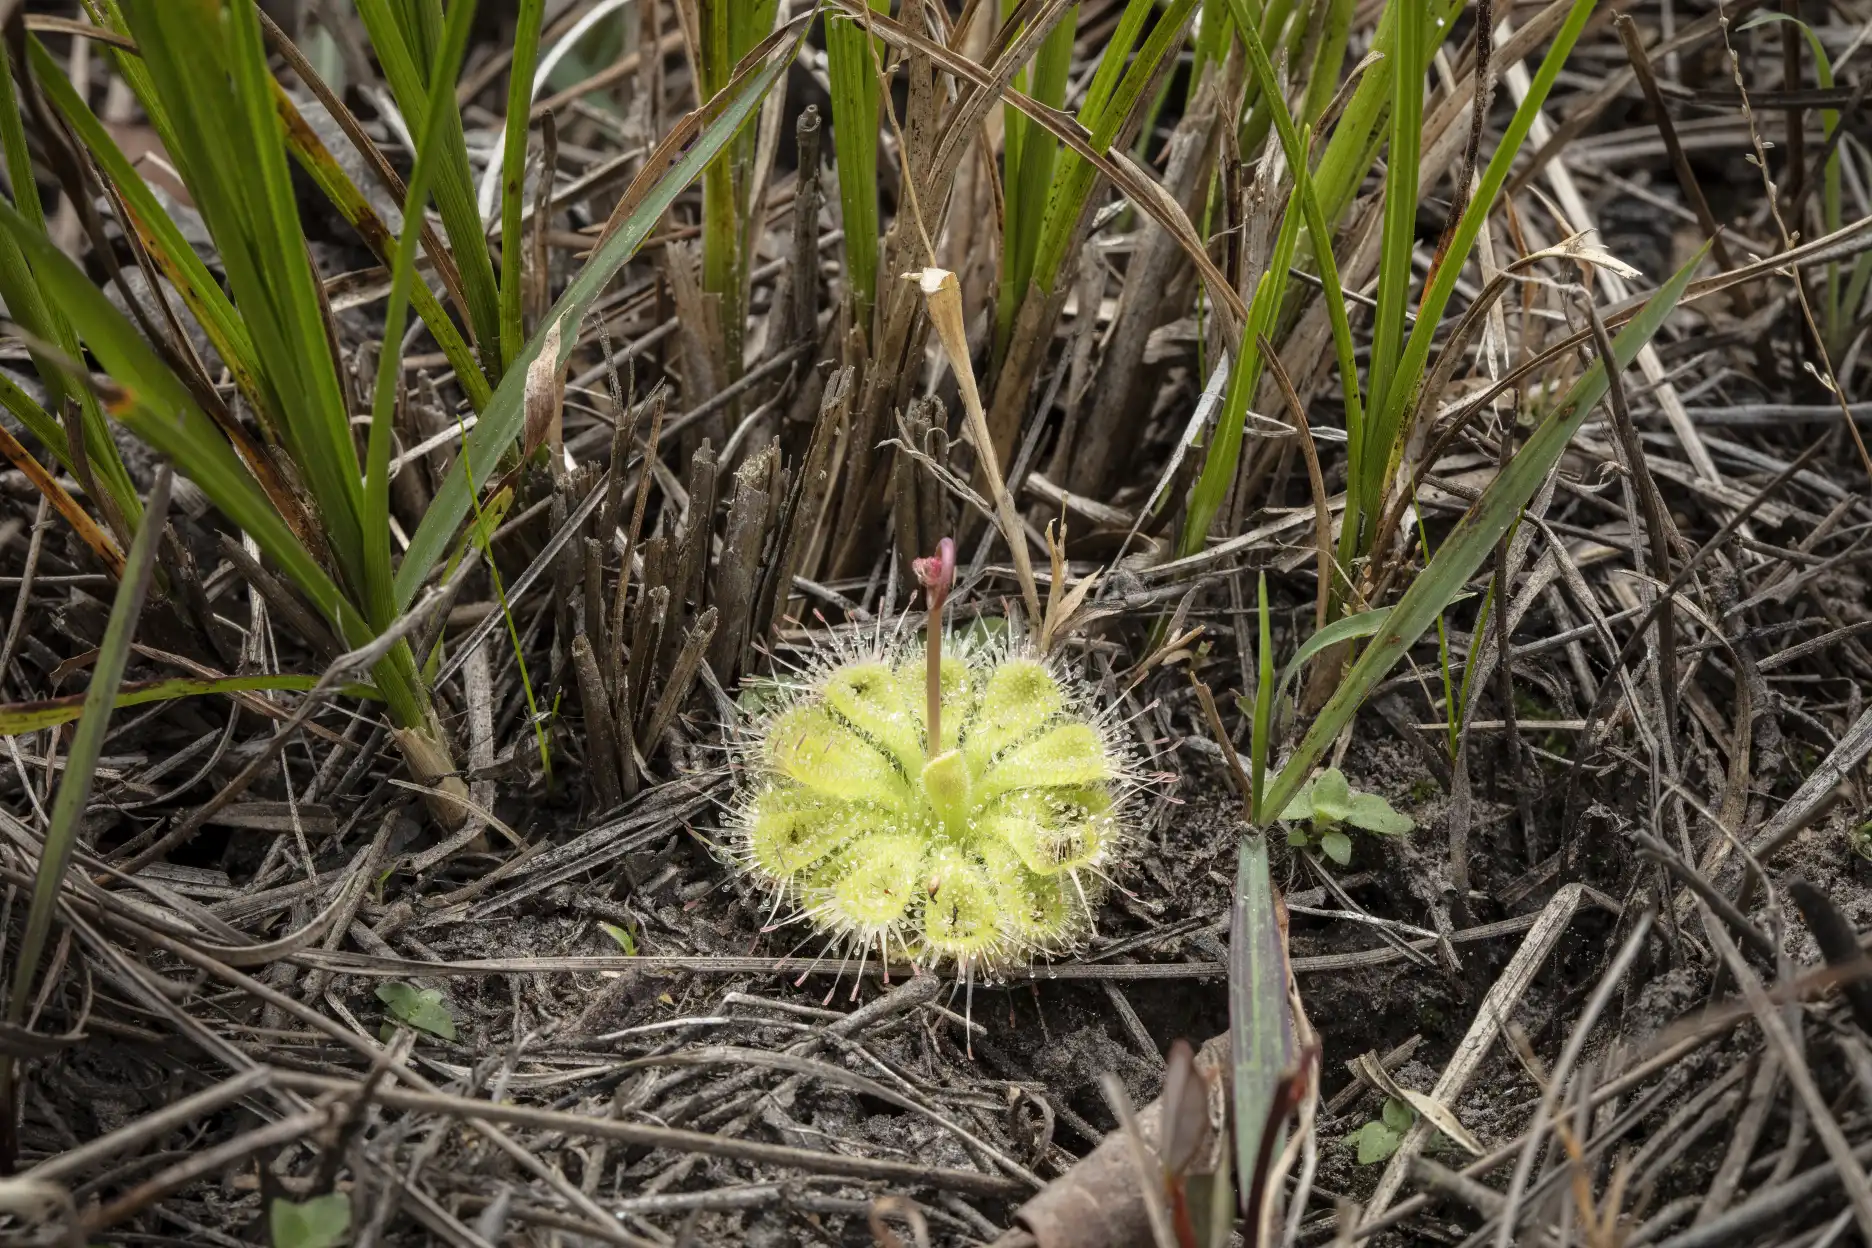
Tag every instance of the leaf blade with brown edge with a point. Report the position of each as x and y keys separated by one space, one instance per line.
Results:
x=62 y=502
x=102 y=467
x=209 y=66
x=154 y=405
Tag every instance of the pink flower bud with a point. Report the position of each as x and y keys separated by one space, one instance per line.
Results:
x=937 y=573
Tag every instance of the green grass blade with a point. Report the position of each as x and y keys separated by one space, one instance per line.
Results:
x=1400 y=202
x=155 y=406
x=1253 y=115
x=129 y=66
x=37 y=420
x=513 y=176
x=855 y=146
x=209 y=66
x=502 y=420
x=1319 y=236
x=1031 y=156
x=390 y=35
x=173 y=256
x=1211 y=43
x=1108 y=106
x=44 y=319
x=309 y=150
x=379 y=581
x=1323 y=76
x=87 y=746
x=1263 y=727
x=1261 y=1031
x=19 y=717
x=1346 y=628
x=1388 y=414
x=730 y=29
x=1225 y=447
x=1473 y=539
x=1112 y=59
x=1359 y=132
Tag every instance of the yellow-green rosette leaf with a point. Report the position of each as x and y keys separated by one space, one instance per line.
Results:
x=1060 y=839
x=1069 y=756
x=790 y=830
x=961 y=917
x=1018 y=700
x=1038 y=910
x=874 y=882
x=873 y=699
x=809 y=746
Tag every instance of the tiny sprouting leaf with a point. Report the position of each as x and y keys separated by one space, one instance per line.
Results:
x=421 y=1008
x=1332 y=797
x=1376 y=1142
x=626 y=941
x=1301 y=807
x=1397 y=1115
x=317 y=1223
x=1337 y=846
x=1372 y=813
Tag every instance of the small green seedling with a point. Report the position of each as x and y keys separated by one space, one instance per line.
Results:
x=1378 y=1139
x=1862 y=840
x=946 y=808
x=317 y=1223
x=421 y=1008
x=626 y=941
x=1329 y=805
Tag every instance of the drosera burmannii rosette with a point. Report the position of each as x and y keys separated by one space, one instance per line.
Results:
x=956 y=805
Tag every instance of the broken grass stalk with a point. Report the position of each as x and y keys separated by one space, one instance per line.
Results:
x=944 y=298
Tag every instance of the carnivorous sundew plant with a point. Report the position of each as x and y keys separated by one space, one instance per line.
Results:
x=957 y=809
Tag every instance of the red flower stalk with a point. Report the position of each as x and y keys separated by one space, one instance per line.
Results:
x=936 y=574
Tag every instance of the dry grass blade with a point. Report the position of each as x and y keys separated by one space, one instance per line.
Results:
x=1563 y=1069
x=81 y=762
x=95 y=539
x=945 y=310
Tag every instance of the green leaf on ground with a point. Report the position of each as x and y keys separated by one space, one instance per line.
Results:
x=317 y=1223
x=421 y=1008
x=626 y=941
